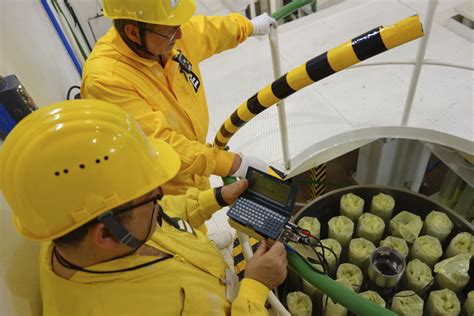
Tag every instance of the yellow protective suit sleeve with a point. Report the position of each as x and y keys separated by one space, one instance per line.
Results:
x=196 y=158
x=251 y=299
x=216 y=33
x=195 y=206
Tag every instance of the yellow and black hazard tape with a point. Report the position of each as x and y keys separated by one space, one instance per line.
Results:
x=239 y=261
x=358 y=49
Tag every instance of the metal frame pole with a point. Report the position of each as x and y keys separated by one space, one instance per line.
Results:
x=252 y=9
x=415 y=76
x=282 y=121
x=421 y=166
x=272 y=6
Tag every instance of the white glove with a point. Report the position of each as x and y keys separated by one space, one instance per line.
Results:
x=249 y=161
x=262 y=24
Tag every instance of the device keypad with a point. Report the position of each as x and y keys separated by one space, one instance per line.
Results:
x=263 y=219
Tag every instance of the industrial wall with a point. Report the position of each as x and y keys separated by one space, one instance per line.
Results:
x=31 y=49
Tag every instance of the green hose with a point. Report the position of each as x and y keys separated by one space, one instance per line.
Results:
x=229 y=180
x=289 y=8
x=342 y=295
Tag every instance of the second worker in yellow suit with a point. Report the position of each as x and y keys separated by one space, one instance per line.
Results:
x=148 y=64
x=113 y=244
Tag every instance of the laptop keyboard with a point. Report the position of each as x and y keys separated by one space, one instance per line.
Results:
x=261 y=218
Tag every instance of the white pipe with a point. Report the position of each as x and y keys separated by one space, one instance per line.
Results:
x=428 y=62
x=248 y=253
x=252 y=9
x=244 y=242
x=282 y=121
x=420 y=55
x=420 y=169
x=272 y=6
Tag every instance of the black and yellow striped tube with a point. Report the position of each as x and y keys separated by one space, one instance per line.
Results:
x=367 y=45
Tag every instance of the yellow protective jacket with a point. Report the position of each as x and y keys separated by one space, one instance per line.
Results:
x=188 y=283
x=164 y=101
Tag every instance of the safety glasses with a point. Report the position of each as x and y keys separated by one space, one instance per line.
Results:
x=170 y=37
x=129 y=206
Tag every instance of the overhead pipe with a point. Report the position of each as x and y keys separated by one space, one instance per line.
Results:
x=290 y=7
x=345 y=55
x=63 y=38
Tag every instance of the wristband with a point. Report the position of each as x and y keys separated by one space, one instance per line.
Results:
x=218 y=195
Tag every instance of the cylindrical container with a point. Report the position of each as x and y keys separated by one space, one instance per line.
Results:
x=370 y=227
x=352 y=274
x=417 y=277
x=428 y=249
x=437 y=224
x=299 y=304
x=360 y=250
x=457 y=193
x=465 y=203
x=386 y=267
x=453 y=273
x=461 y=243
x=341 y=228
x=406 y=225
x=407 y=303
x=331 y=308
x=468 y=307
x=373 y=297
x=311 y=224
x=351 y=206
x=443 y=303
x=382 y=205
x=399 y=244
x=448 y=188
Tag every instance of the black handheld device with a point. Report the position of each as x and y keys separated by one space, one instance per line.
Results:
x=265 y=207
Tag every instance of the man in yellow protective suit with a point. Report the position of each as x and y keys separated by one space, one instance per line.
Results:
x=148 y=64
x=82 y=177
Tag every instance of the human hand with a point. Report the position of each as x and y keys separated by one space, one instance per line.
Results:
x=268 y=266
x=231 y=192
x=246 y=162
x=262 y=24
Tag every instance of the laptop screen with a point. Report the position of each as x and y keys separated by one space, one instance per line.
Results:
x=263 y=185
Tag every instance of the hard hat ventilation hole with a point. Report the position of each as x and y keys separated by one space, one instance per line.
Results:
x=57 y=173
x=65 y=171
x=106 y=158
x=82 y=166
x=97 y=161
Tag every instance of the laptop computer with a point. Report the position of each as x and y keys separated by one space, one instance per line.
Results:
x=265 y=207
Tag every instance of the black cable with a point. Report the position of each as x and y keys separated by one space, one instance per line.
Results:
x=419 y=293
x=320 y=245
x=76 y=22
x=68 y=95
x=72 y=266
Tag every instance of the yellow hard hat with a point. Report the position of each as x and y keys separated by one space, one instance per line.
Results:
x=163 y=12
x=67 y=163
